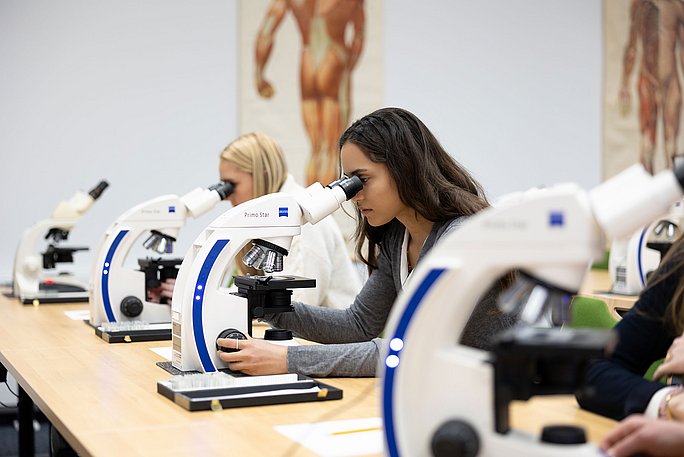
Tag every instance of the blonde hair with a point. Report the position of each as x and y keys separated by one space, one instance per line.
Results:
x=259 y=155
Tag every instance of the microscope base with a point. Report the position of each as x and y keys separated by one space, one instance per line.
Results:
x=54 y=292
x=150 y=332
x=54 y=297
x=299 y=389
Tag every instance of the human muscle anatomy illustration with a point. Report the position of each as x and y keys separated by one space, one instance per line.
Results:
x=332 y=33
x=657 y=28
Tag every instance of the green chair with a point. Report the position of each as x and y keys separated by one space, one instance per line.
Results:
x=594 y=313
x=654 y=366
x=589 y=312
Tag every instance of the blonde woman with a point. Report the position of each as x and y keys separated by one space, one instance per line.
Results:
x=254 y=164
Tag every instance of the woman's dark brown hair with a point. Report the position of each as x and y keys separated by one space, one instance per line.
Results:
x=428 y=179
x=672 y=264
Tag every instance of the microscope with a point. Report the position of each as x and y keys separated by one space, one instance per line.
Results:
x=31 y=284
x=633 y=259
x=118 y=293
x=440 y=397
x=203 y=307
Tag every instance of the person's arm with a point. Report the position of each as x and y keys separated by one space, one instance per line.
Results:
x=354 y=330
x=617 y=387
x=352 y=347
x=362 y=321
x=258 y=357
x=264 y=44
x=351 y=359
x=680 y=32
x=356 y=47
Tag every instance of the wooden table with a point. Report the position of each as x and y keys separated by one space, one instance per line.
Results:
x=102 y=397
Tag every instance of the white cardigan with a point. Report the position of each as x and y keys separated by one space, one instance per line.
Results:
x=320 y=253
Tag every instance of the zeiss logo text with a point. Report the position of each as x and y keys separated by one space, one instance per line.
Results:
x=172 y=209
x=282 y=212
x=556 y=219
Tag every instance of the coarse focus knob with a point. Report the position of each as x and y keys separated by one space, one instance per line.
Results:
x=455 y=438
x=131 y=306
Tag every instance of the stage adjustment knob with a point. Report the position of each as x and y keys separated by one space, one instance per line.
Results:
x=131 y=306
x=455 y=438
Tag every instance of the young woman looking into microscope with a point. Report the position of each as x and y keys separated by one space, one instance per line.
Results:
x=414 y=193
x=255 y=165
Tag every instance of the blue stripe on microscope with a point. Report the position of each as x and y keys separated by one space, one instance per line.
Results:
x=639 y=260
x=198 y=302
x=106 y=268
x=388 y=382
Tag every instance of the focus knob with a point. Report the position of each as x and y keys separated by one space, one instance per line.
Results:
x=455 y=438
x=131 y=306
x=232 y=334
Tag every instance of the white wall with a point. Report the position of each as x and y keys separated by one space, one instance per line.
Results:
x=143 y=94
x=511 y=88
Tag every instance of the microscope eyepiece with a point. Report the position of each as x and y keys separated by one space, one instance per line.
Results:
x=97 y=190
x=350 y=186
x=224 y=189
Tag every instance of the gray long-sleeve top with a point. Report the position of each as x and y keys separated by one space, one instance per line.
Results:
x=351 y=335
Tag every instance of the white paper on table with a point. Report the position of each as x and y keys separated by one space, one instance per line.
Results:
x=328 y=439
x=78 y=314
x=164 y=352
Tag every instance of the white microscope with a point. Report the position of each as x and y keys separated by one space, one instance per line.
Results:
x=119 y=294
x=204 y=308
x=633 y=259
x=440 y=397
x=31 y=284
